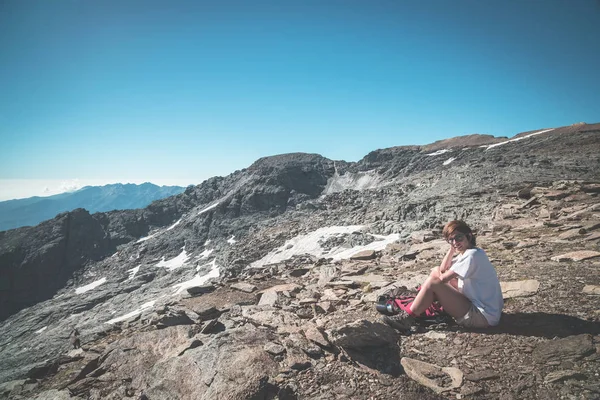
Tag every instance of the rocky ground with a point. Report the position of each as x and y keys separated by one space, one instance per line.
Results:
x=306 y=328
x=287 y=320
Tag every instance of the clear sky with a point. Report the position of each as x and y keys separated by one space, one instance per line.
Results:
x=179 y=91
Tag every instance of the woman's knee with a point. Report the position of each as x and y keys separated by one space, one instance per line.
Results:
x=433 y=280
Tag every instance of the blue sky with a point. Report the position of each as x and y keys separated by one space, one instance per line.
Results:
x=179 y=91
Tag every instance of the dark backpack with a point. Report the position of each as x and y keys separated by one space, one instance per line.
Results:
x=396 y=299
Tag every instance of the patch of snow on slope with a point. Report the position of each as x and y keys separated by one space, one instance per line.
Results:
x=231 y=240
x=148 y=237
x=41 y=330
x=174 y=225
x=309 y=243
x=90 y=286
x=448 y=161
x=174 y=263
x=135 y=312
x=516 y=140
x=205 y=253
x=159 y=232
x=132 y=272
x=439 y=152
x=358 y=181
x=379 y=244
x=199 y=280
x=208 y=208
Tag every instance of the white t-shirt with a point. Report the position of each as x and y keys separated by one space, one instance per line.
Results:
x=478 y=281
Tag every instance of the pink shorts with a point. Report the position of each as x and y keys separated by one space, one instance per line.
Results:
x=473 y=319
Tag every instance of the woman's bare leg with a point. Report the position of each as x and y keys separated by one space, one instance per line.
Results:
x=454 y=302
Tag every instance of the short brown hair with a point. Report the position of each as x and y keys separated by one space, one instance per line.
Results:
x=459 y=226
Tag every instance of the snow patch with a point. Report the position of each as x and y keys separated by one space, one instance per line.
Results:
x=357 y=181
x=176 y=262
x=90 y=286
x=379 y=244
x=448 y=161
x=159 y=232
x=439 y=152
x=309 y=243
x=132 y=272
x=516 y=140
x=148 y=237
x=174 y=225
x=199 y=280
x=135 y=312
x=231 y=240
x=205 y=254
x=41 y=330
x=208 y=208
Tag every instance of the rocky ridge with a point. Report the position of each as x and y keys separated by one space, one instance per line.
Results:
x=200 y=289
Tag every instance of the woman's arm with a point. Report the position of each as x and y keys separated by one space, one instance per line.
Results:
x=448 y=276
x=447 y=261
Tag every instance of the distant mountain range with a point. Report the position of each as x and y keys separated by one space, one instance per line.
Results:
x=33 y=210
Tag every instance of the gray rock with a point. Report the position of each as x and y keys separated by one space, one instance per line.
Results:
x=244 y=287
x=268 y=298
x=206 y=311
x=200 y=290
x=569 y=348
x=327 y=273
x=519 y=288
x=297 y=359
x=422 y=236
x=364 y=255
x=209 y=326
x=591 y=289
x=54 y=394
x=274 y=348
x=481 y=375
x=299 y=272
x=172 y=318
x=363 y=333
x=577 y=255
x=313 y=334
x=571 y=234
x=432 y=376
x=7 y=387
x=559 y=376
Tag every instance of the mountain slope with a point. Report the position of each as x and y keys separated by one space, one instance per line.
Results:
x=31 y=211
x=243 y=287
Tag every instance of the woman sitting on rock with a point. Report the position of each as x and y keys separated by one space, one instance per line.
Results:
x=466 y=286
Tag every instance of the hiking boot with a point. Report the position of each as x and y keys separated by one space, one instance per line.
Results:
x=401 y=321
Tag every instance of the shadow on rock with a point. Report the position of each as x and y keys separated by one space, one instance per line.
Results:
x=385 y=359
x=544 y=325
x=373 y=345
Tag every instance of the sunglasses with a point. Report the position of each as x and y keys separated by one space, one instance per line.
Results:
x=459 y=237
